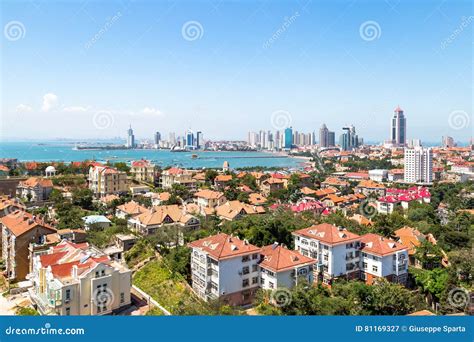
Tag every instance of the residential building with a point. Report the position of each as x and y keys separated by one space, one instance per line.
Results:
x=418 y=165
x=335 y=249
x=19 y=229
x=270 y=185
x=233 y=210
x=78 y=279
x=9 y=205
x=209 y=199
x=143 y=171
x=129 y=209
x=225 y=267
x=222 y=180
x=378 y=175
x=399 y=128
x=34 y=189
x=326 y=137
x=368 y=187
x=162 y=216
x=104 y=180
x=383 y=258
x=281 y=267
x=96 y=222
x=177 y=176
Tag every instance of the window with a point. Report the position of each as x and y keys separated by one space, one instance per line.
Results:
x=122 y=297
x=102 y=273
x=255 y=280
x=68 y=294
x=262 y=281
x=245 y=258
x=246 y=270
x=68 y=311
x=302 y=271
x=364 y=265
x=326 y=257
x=255 y=256
x=97 y=274
x=271 y=285
x=348 y=245
x=245 y=282
x=394 y=257
x=375 y=268
x=254 y=268
x=98 y=309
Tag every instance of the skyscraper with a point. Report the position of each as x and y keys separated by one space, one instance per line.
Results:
x=189 y=139
x=448 y=142
x=349 y=139
x=157 y=138
x=418 y=165
x=199 y=139
x=399 y=128
x=326 y=137
x=130 y=138
x=288 y=137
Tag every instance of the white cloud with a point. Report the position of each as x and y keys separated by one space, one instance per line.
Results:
x=151 y=111
x=21 y=108
x=50 y=101
x=75 y=109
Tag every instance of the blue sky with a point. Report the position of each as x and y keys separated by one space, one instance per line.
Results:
x=86 y=69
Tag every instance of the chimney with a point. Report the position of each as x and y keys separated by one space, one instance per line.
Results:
x=274 y=245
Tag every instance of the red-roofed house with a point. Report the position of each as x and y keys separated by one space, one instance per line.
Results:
x=34 y=189
x=143 y=171
x=225 y=267
x=78 y=279
x=281 y=267
x=179 y=176
x=104 y=180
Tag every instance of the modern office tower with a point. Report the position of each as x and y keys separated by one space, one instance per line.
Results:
x=189 y=139
x=326 y=137
x=130 y=138
x=413 y=143
x=349 y=139
x=288 y=137
x=331 y=139
x=448 y=142
x=157 y=138
x=172 y=138
x=418 y=165
x=253 y=139
x=399 y=128
x=199 y=140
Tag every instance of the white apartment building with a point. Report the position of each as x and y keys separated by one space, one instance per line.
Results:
x=225 y=267
x=383 y=258
x=418 y=165
x=78 y=279
x=177 y=176
x=281 y=267
x=335 y=249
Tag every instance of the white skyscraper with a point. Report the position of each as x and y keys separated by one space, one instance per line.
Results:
x=130 y=138
x=418 y=165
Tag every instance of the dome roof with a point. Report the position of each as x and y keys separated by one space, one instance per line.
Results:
x=50 y=169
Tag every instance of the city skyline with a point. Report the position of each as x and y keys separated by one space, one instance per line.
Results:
x=118 y=63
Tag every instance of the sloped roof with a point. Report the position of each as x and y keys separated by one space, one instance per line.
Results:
x=224 y=246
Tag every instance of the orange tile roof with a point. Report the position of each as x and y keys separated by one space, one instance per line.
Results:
x=335 y=181
x=376 y=244
x=410 y=238
x=231 y=209
x=370 y=184
x=328 y=233
x=278 y=258
x=223 y=178
x=20 y=222
x=35 y=181
x=256 y=199
x=209 y=194
x=224 y=246
x=132 y=208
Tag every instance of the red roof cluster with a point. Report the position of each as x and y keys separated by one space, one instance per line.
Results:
x=405 y=195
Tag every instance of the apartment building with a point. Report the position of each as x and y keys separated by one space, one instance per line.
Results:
x=282 y=267
x=383 y=258
x=225 y=267
x=143 y=171
x=104 y=180
x=162 y=216
x=335 y=249
x=34 y=189
x=78 y=279
x=177 y=176
x=418 y=165
x=19 y=229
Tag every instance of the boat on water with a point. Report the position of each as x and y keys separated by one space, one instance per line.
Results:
x=194 y=156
